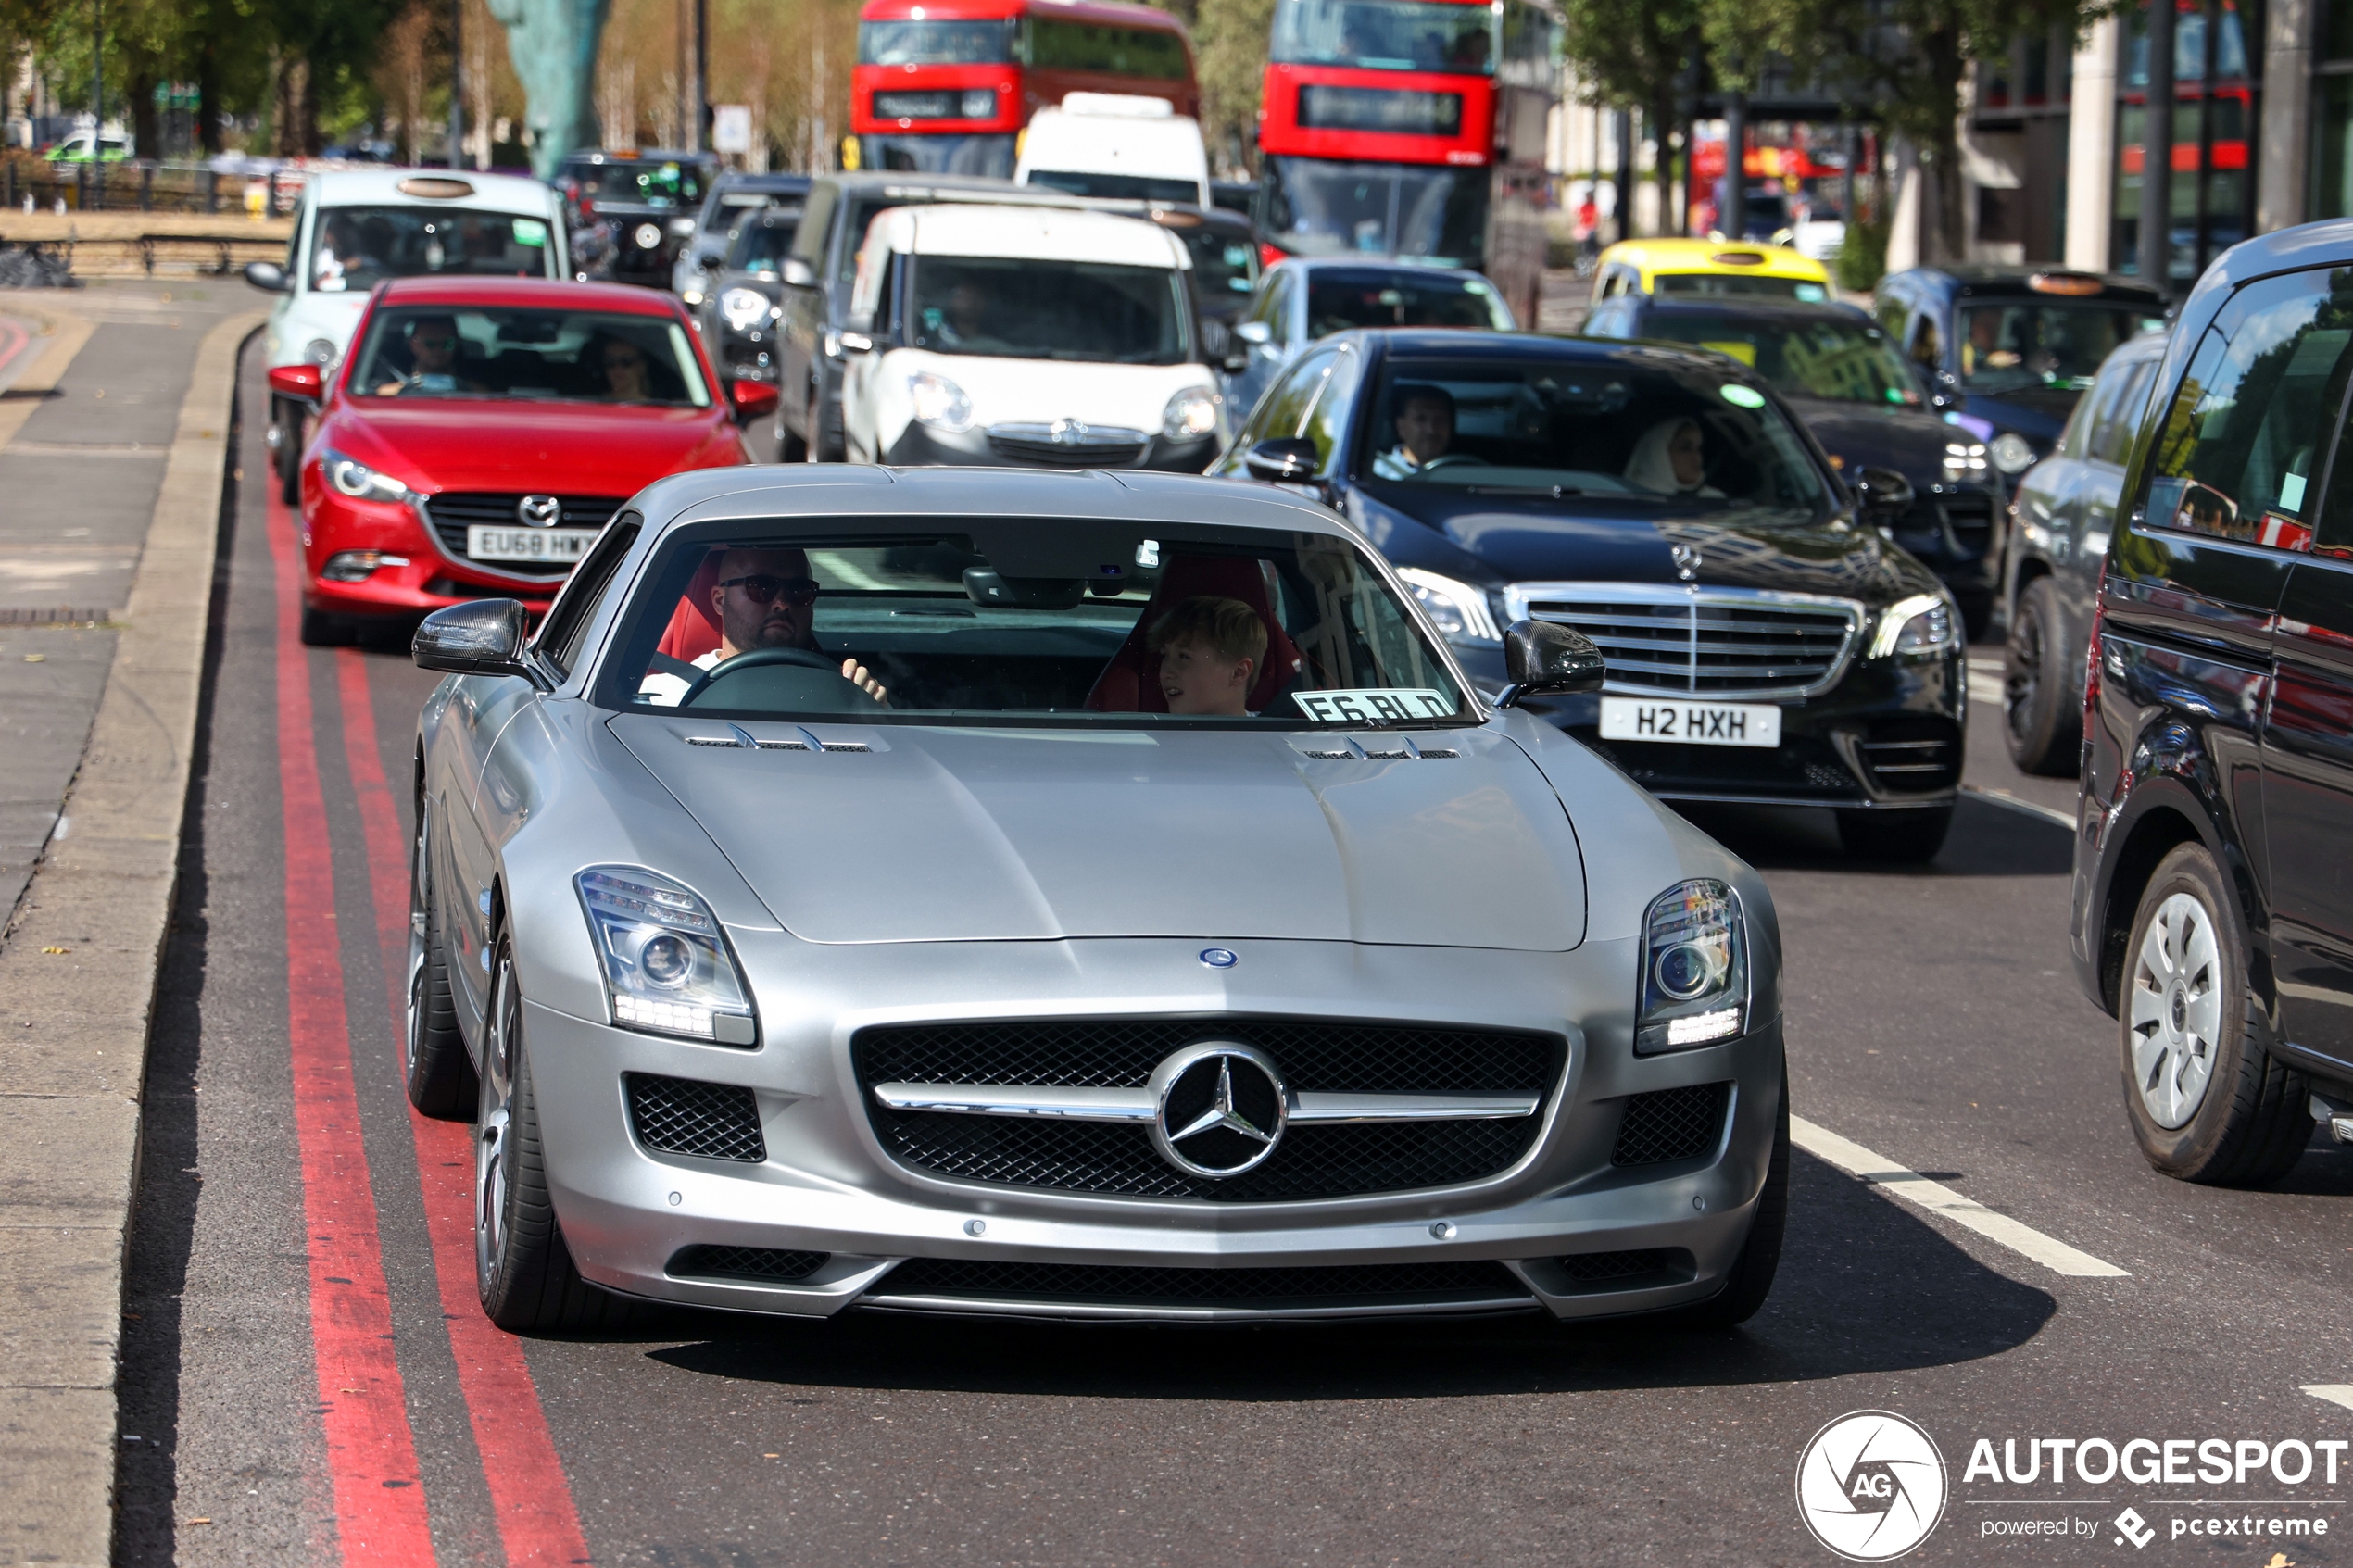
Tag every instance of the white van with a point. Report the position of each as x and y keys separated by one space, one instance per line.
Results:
x=356 y=227
x=1027 y=337
x=1115 y=145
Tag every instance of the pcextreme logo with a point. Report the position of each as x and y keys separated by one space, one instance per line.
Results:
x=1870 y=1485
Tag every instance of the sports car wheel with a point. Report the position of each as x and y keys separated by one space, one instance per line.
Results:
x=2041 y=726
x=2206 y=1100
x=1751 y=1278
x=440 y=1078
x=523 y=1273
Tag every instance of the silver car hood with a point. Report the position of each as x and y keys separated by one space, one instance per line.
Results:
x=932 y=834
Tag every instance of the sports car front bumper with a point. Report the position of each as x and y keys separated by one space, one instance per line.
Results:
x=1569 y=1227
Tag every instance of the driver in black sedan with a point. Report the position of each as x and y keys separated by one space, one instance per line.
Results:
x=766 y=599
x=1425 y=426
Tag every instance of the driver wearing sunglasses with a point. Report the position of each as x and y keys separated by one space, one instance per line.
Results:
x=432 y=358
x=766 y=599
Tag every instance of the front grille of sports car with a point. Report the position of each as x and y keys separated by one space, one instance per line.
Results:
x=1367 y=1285
x=764 y=1265
x=452 y=512
x=686 y=1116
x=1669 y=1125
x=1703 y=642
x=1069 y=445
x=1316 y=1055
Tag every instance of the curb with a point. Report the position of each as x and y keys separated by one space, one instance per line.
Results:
x=74 y=1024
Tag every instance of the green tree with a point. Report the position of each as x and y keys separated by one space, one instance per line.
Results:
x=1636 y=54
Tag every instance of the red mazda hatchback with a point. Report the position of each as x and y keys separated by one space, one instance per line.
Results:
x=479 y=431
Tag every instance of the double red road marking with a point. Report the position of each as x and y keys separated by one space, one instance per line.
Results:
x=381 y=1514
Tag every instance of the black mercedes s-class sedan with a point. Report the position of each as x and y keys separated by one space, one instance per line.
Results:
x=1765 y=642
x=1842 y=376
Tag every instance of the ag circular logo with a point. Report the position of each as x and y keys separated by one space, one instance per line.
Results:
x=1870 y=1485
x=1219 y=1107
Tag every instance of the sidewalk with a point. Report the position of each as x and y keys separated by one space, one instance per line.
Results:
x=112 y=445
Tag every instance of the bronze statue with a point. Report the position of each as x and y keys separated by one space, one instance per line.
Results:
x=553 y=44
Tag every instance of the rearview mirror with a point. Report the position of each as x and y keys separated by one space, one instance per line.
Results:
x=798 y=274
x=1291 y=461
x=984 y=585
x=297 y=383
x=267 y=276
x=1881 y=494
x=752 y=398
x=1545 y=660
x=482 y=638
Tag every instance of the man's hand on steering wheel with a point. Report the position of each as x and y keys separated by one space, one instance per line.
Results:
x=857 y=676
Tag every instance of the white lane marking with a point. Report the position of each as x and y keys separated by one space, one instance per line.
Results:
x=2001 y=798
x=2334 y=1393
x=1913 y=1187
x=1983 y=686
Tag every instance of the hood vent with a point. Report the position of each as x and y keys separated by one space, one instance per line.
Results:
x=740 y=739
x=1381 y=748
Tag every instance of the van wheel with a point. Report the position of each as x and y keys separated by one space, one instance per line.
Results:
x=2040 y=723
x=1906 y=837
x=2207 y=1099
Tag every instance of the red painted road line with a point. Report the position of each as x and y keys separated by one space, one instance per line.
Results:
x=529 y=1493
x=13 y=339
x=372 y=1454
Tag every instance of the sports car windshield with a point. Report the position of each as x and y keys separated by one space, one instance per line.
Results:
x=492 y=352
x=1604 y=431
x=1055 y=621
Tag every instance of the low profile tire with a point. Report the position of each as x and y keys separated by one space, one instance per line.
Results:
x=1751 y=1278
x=2040 y=723
x=523 y=1273
x=323 y=629
x=440 y=1077
x=1906 y=838
x=2207 y=1099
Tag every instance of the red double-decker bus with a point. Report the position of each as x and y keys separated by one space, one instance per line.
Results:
x=1411 y=129
x=945 y=88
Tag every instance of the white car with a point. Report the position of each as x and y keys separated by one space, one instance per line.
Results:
x=1118 y=146
x=356 y=227
x=1033 y=337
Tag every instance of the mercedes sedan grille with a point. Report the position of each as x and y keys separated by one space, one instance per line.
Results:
x=1702 y=642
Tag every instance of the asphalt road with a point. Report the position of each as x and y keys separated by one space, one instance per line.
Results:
x=272 y=1383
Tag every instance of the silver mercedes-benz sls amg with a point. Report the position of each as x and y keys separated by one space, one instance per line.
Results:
x=1068 y=896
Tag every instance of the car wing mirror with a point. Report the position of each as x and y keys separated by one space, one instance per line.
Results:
x=298 y=383
x=752 y=398
x=1291 y=461
x=1881 y=494
x=480 y=637
x=268 y=276
x=1256 y=333
x=798 y=274
x=1545 y=660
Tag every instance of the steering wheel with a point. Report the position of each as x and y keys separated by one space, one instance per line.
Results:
x=753 y=658
x=1456 y=459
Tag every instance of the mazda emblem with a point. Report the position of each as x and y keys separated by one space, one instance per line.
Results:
x=539 y=512
x=1219 y=1108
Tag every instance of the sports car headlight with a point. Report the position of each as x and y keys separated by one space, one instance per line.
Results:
x=1694 y=969
x=358 y=481
x=940 y=402
x=667 y=969
x=2012 y=452
x=1921 y=627
x=1457 y=610
x=745 y=308
x=1190 y=415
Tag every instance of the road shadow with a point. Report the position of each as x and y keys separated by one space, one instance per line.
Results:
x=1864 y=1286
x=1986 y=840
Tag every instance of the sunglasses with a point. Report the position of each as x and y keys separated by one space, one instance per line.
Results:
x=762 y=588
x=624 y=361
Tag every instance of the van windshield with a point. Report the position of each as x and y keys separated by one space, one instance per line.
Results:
x=1029 y=310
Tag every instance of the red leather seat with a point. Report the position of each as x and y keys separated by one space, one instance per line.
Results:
x=1130 y=683
x=694 y=625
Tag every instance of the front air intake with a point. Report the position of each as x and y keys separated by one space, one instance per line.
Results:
x=1671 y=1124
x=685 y=1116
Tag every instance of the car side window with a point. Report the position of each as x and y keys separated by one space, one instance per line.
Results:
x=567 y=623
x=1327 y=423
x=2246 y=431
x=2121 y=416
x=1262 y=304
x=1278 y=318
x=817 y=218
x=1284 y=410
x=1892 y=314
x=1928 y=346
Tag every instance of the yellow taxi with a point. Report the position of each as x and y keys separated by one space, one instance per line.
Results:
x=1719 y=267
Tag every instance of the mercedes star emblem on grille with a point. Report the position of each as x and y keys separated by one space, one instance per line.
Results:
x=539 y=512
x=1066 y=433
x=1218 y=1108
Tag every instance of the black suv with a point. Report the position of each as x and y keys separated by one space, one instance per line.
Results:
x=2213 y=914
x=632 y=212
x=1863 y=403
x=817 y=276
x=2008 y=350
